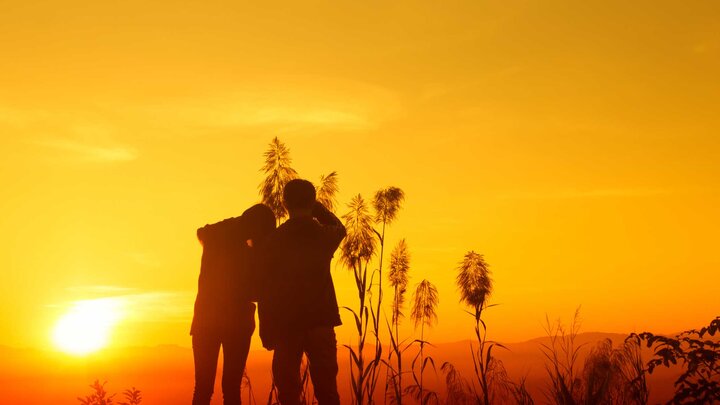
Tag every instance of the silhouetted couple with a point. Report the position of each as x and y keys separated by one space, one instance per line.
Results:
x=287 y=272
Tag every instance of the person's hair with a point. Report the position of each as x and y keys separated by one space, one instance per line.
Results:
x=259 y=220
x=299 y=194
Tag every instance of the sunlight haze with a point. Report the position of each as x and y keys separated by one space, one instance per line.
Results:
x=574 y=144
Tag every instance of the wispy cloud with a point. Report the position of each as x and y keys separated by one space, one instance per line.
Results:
x=579 y=194
x=89 y=151
x=100 y=289
x=288 y=103
x=138 y=305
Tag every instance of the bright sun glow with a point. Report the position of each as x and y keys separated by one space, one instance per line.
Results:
x=86 y=327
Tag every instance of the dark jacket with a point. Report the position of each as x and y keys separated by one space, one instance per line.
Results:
x=297 y=289
x=225 y=286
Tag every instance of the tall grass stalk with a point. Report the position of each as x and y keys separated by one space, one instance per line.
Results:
x=387 y=203
x=424 y=313
x=398 y=278
x=357 y=250
x=475 y=285
x=632 y=369
x=561 y=355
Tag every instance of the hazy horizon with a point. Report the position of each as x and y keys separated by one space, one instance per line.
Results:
x=572 y=144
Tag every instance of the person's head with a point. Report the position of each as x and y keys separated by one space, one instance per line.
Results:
x=259 y=220
x=299 y=197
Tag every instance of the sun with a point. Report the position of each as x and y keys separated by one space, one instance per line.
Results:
x=86 y=327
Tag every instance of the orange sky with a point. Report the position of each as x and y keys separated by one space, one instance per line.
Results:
x=574 y=144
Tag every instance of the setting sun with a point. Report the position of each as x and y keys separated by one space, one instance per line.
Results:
x=86 y=327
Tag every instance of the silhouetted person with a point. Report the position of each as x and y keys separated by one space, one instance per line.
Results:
x=224 y=311
x=298 y=309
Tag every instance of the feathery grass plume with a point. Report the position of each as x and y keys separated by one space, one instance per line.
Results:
x=398 y=277
x=474 y=281
x=277 y=173
x=602 y=379
x=359 y=244
x=457 y=389
x=632 y=368
x=425 y=302
x=327 y=190
x=356 y=251
x=387 y=204
x=424 y=313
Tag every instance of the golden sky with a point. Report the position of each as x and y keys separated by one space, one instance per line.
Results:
x=574 y=144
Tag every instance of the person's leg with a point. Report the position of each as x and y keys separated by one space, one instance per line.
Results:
x=205 y=354
x=286 y=371
x=235 y=353
x=321 y=348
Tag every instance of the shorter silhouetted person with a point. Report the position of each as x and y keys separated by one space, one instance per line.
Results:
x=224 y=309
x=298 y=309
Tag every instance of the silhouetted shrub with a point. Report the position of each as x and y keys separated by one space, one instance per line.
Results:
x=699 y=357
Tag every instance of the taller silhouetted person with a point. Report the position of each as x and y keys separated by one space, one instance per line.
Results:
x=298 y=309
x=224 y=311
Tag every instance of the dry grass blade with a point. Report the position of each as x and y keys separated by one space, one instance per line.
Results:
x=562 y=354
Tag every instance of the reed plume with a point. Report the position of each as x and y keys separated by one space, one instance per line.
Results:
x=387 y=204
x=327 y=190
x=359 y=244
x=278 y=172
x=424 y=313
x=398 y=278
x=356 y=251
x=425 y=301
x=474 y=282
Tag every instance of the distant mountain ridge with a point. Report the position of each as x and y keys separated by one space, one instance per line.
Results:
x=164 y=373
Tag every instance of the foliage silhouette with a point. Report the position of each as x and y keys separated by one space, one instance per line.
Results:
x=100 y=396
x=699 y=357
